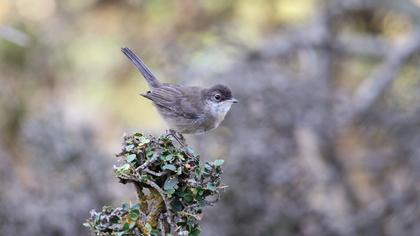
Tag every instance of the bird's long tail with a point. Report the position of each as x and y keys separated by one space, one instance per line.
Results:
x=148 y=75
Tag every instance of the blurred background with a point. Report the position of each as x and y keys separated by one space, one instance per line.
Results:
x=325 y=139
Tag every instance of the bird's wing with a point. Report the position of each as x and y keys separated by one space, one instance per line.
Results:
x=172 y=98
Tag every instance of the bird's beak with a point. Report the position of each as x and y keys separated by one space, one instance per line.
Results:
x=233 y=100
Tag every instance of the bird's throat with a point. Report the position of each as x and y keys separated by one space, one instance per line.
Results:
x=219 y=112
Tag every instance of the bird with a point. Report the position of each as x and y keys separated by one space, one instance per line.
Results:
x=187 y=109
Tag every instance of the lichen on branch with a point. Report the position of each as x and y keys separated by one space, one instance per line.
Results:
x=172 y=188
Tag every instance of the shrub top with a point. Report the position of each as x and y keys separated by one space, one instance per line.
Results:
x=172 y=188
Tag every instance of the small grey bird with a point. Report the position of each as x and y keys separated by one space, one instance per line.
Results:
x=189 y=110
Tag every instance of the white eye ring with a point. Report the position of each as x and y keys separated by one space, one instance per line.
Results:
x=217 y=97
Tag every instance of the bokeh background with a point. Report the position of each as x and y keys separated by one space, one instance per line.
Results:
x=325 y=140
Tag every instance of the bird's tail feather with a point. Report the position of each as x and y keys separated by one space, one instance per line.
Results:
x=148 y=75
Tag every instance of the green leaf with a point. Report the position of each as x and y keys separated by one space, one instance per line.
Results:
x=194 y=232
x=149 y=152
x=144 y=178
x=148 y=227
x=125 y=206
x=176 y=205
x=113 y=219
x=169 y=167
x=137 y=135
x=129 y=147
x=194 y=191
x=191 y=151
x=144 y=140
x=165 y=139
x=188 y=197
x=170 y=185
x=131 y=158
x=170 y=191
x=211 y=187
x=134 y=215
x=180 y=156
x=126 y=226
x=119 y=233
x=168 y=157
x=124 y=169
x=207 y=167
x=135 y=206
x=218 y=162
x=107 y=209
x=200 y=191
x=154 y=232
x=86 y=224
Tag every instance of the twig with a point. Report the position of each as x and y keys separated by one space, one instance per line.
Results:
x=162 y=227
x=147 y=163
x=155 y=173
x=189 y=214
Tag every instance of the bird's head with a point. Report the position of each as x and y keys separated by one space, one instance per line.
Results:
x=219 y=99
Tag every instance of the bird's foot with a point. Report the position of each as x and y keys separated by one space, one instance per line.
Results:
x=178 y=137
x=181 y=141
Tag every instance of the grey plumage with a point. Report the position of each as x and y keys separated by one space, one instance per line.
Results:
x=186 y=109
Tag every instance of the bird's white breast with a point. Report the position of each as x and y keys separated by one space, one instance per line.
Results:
x=219 y=111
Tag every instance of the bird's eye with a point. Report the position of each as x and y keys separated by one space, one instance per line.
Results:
x=217 y=97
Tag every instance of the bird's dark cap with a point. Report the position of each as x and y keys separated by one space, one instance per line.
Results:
x=223 y=90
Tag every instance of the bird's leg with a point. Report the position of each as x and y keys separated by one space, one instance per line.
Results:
x=181 y=140
x=178 y=137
